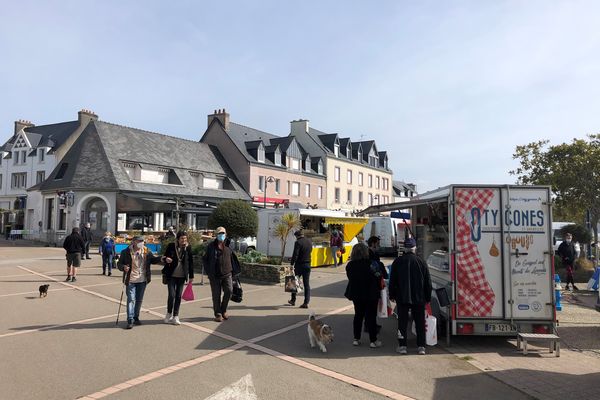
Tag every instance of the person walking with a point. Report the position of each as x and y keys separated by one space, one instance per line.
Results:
x=135 y=263
x=410 y=286
x=567 y=253
x=74 y=246
x=86 y=234
x=108 y=251
x=335 y=243
x=179 y=268
x=301 y=263
x=364 y=291
x=170 y=233
x=220 y=264
x=377 y=267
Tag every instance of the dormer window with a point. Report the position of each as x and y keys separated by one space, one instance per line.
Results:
x=41 y=155
x=349 y=150
x=320 y=167
x=261 y=154
x=294 y=164
x=360 y=158
x=336 y=150
x=307 y=164
x=277 y=157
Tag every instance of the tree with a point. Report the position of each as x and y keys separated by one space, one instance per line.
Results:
x=573 y=171
x=282 y=230
x=579 y=232
x=237 y=216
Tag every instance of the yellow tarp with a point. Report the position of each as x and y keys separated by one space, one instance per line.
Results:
x=352 y=225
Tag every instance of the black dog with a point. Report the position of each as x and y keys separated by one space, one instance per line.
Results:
x=44 y=290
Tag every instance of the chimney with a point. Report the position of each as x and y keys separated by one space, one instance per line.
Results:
x=20 y=124
x=222 y=116
x=299 y=127
x=85 y=116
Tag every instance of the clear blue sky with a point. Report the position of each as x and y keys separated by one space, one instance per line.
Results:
x=448 y=88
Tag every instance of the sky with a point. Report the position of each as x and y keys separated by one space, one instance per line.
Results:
x=447 y=88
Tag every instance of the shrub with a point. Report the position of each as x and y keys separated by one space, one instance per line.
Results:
x=579 y=232
x=237 y=216
x=252 y=257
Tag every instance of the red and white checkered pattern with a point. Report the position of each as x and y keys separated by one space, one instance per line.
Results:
x=475 y=295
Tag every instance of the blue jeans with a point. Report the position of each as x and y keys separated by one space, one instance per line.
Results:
x=107 y=261
x=135 y=296
x=304 y=272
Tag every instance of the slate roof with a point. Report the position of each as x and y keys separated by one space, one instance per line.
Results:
x=328 y=140
x=52 y=135
x=95 y=162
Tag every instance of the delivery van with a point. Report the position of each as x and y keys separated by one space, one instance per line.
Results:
x=489 y=253
x=390 y=231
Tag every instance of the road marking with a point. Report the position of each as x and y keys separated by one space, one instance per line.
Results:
x=240 y=390
x=46 y=328
x=58 y=290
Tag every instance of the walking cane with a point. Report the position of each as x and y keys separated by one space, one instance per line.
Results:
x=120 y=303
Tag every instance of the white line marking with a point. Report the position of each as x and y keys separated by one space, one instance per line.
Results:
x=240 y=390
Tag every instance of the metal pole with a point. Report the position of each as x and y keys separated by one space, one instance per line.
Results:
x=177 y=214
x=265 y=194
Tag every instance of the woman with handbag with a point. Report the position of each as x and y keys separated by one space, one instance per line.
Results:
x=364 y=291
x=179 y=268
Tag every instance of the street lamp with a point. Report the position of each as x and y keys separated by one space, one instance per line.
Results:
x=268 y=180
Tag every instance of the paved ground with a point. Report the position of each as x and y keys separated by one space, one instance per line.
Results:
x=67 y=346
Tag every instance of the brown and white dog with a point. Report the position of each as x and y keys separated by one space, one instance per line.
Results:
x=319 y=333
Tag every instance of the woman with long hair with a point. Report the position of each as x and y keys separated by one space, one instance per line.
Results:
x=179 y=268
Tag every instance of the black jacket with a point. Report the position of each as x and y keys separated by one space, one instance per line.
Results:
x=410 y=282
x=376 y=261
x=363 y=285
x=210 y=260
x=74 y=243
x=187 y=259
x=567 y=253
x=125 y=259
x=302 y=252
x=86 y=234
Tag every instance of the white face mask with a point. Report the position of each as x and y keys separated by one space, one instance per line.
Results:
x=140 y=245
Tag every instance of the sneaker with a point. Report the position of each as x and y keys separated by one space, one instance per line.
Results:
x=402 y=350
x=421 y=351
x=291 y=303
x=376 y=344
x=129 y=325
x=103 y=272
x=167 y=318
x=219 y=318
x=88 y=258
x=136 y=321
x=68 y=279
x=304 y=305
x=355 y=342
x=110 y=273
x=176 y=320
x=73 y=279
x=225 y=316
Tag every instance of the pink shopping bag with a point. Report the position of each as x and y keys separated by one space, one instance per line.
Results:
x=188 y=293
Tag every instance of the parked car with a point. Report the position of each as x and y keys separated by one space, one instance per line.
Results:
x=246 y=244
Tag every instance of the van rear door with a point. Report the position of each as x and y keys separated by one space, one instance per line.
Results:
x=527 y=249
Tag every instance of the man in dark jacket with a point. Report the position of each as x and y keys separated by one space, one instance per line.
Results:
x=135 y=263
x=567 y=253
x=74 y=246
x=301 y=263
x=410 y=286
x=86 y=234
x=220 y=264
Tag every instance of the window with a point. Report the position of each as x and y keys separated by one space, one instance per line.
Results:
x=360 y=179
x=336 y=174
x=19 y=180
x=261 y=154
x=289 y=185
x=337 y=195
x=349 y=176
x=41 y=155
x=307 y=164
x=277 y=186
x=50 y=213
x=320 y=192
x=370 y=180
x=370 y=199
x=0 y=181
x=295 y=188
x=15 y=157
x=23 y=157
x=261 y=183
x=349 y=197
x=61 y=171
x=360 y=156
x=336 y=150
x=40 y=176
x=209 y=182
x=277 y=157
x=295 y=164
x=307 y=190
x=376 y=182
x=384 y=183
x=360 y=198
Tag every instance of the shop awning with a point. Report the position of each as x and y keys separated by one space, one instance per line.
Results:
x=352 y=225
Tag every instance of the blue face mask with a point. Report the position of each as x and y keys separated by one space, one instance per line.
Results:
x=221 y=237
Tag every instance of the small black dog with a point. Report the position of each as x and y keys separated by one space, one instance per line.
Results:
x=44 y=290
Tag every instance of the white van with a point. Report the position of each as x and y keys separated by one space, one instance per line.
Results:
x=391 y=233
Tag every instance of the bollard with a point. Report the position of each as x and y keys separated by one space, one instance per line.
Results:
x=557 y=289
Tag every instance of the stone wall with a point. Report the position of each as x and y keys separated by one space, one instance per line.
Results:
x=256 y=272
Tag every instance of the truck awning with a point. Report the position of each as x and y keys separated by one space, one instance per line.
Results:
x=400 y=206
x=352 y=225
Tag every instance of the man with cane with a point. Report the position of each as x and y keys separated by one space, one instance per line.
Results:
x=135 y=263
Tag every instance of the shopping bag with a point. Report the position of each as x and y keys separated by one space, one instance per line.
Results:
x=188 y=293
x=292 y=284
x=591 y=283
x=384 y=307
x=238 y=292
x=430 y=329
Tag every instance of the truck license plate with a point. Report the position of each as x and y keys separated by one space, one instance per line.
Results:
x=499 y=328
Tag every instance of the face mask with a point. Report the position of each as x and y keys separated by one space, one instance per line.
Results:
x=221 y=237
x=140 y=245
x=569 y=240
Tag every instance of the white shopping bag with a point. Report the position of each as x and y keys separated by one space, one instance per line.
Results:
x=591 y=283
x=382 y=306
x=430 y=329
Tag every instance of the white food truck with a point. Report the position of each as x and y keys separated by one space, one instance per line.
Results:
x=489 y=252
